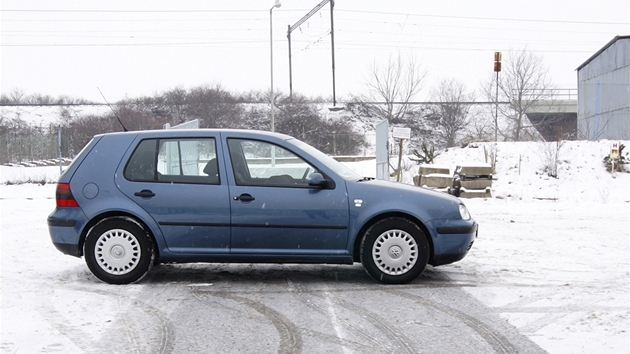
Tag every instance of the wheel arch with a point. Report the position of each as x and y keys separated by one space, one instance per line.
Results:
x=356 y=253
x=117 y=214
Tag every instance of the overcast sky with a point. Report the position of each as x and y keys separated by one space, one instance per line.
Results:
x=140 y=48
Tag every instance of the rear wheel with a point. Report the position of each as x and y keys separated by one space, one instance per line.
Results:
x=394 y=251
x=119 y=251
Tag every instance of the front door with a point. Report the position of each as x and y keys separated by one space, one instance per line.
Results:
x=275 y=211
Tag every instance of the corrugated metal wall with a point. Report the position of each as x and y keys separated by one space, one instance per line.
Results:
x=604 y=94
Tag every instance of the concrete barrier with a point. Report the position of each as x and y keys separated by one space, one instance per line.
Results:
x=436 y=181
x=468 y=181
x=474 y=171
x=432 y=169
x=478 y=193
x=476 y=183
x=434 y=177
x=473 y=181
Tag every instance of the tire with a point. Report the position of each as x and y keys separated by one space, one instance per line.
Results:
x=119 y=251
x=394 y=251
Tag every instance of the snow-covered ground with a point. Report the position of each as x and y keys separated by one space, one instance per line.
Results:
x=552 y=257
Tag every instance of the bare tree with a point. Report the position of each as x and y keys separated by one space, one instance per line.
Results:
x=450 y=115
x=523 y=83
x=550 y=156
x=480 y=127
x=395 y=84
x=303 y=120
x=175 y=100
x=16 y=95
x=213 y=106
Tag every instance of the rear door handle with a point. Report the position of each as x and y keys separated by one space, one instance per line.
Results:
x=145 y=193
x=245 y=198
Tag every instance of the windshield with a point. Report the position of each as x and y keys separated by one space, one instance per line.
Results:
x=339 y=168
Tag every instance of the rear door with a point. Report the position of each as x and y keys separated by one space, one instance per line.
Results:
x=181 y=183
x=275 y=211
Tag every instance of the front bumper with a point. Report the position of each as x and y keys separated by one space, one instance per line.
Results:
x=453 y=241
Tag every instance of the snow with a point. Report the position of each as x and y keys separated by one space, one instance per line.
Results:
x=552 y=257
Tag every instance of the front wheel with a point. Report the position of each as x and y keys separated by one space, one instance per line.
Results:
x=394 y=251
x=119 y=251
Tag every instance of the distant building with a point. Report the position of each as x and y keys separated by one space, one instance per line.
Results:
x=604 y=93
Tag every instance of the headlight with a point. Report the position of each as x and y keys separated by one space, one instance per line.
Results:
x=463 y=211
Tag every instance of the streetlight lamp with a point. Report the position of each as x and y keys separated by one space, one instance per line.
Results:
x=276 y=4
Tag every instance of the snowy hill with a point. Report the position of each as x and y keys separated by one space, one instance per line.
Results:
x=521 y=174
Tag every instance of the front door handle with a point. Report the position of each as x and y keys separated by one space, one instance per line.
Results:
x=244 y=197
x=145 y=193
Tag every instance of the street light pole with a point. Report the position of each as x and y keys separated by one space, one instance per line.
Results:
x=332 y=45
x=275 y=5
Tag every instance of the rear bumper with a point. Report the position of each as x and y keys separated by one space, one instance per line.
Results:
x=69 y=249
x=65 y=226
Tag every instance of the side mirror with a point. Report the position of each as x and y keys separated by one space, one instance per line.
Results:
x=317 y=180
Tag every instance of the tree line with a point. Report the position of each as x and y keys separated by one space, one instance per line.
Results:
x=450 y=118
x=213 y=106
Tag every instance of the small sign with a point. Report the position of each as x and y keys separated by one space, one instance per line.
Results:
x=614 y=150
x=402 y=133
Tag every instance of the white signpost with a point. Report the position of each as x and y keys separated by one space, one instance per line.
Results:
x=614 y=150
x=402 y=134
x=382 y=151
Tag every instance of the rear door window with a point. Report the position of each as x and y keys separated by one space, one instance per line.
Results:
x=190 y=160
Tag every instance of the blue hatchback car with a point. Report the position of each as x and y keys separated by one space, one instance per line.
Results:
x=131 y=200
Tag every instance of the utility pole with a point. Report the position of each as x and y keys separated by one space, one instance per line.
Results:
x=332 y=42
x=497 y=69
x=271 y=98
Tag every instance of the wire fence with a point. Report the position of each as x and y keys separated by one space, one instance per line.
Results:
x=30 y=145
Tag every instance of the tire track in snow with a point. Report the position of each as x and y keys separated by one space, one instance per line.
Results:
x=498 y=342
x=165 y=333
x=290 y=337
x=400 y=342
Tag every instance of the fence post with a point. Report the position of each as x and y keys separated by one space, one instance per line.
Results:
x=59 y=145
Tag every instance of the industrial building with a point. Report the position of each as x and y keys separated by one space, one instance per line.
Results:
x=604 y=93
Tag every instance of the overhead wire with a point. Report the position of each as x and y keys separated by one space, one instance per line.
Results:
x=511 y=19
x=311 y=40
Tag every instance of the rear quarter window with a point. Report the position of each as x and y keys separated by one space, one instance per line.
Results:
x=141 y=165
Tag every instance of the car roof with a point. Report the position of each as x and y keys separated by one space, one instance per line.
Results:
x=189 y=132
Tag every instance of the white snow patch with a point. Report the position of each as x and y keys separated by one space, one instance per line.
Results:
x=558 y=269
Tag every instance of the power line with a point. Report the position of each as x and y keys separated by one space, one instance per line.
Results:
x=340 y=45
x=339 y=10
x=484 y=18
x=128 y=11
x=380 y=13
x=127 y=44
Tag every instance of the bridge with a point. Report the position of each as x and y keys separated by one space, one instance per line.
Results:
x=556 y=117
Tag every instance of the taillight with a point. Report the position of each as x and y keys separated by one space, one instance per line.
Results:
x=64 y=196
